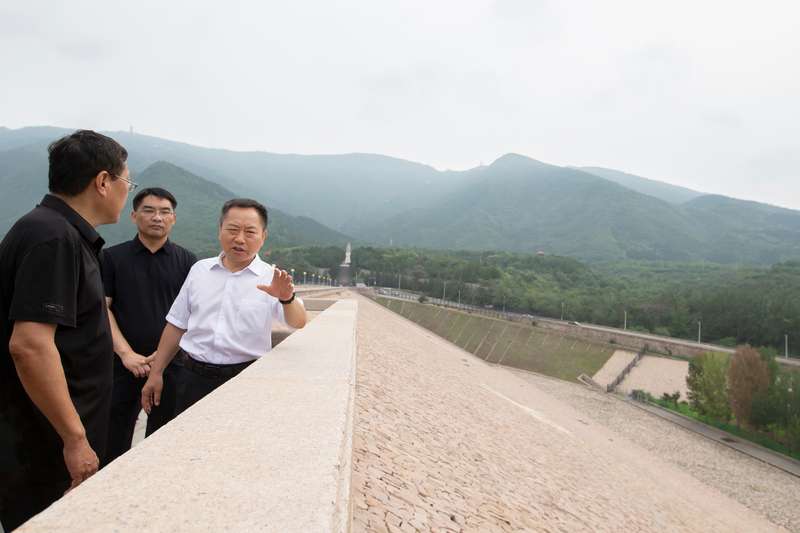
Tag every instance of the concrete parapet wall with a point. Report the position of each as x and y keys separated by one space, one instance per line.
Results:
x=271 y=450
x=317 y=291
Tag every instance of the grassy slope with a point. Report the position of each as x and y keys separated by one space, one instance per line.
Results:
x=506 y=343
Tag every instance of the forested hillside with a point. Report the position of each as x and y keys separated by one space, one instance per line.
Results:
x=519 y=204
x=199 y=204
x=23 y=170
x=670 y=193
x=515 y=204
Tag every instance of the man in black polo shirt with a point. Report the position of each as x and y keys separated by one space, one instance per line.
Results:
x=56 y=350
x=142 y=277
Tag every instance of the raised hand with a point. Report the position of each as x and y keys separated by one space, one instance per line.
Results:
x=281 y=287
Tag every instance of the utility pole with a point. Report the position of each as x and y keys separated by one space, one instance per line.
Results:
x=562 y=311
x=699 y=330
x=786 y=338
x=444 y=290
x=626 y=320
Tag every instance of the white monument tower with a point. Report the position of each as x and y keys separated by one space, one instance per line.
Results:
x=344 y=269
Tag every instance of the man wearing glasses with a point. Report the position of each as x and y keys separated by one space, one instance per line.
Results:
x=142 y=277
x=56 y=348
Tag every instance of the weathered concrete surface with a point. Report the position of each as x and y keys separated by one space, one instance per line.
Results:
x=442 y=445
x=614 y=366
x=271 y=450
x=653 y=374
x=658 y=375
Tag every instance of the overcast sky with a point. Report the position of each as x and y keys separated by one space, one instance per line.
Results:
x=703 y=94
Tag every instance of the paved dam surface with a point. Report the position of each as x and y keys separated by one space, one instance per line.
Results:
x=446 y=442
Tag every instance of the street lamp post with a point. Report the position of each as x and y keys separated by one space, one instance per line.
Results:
x=304 y=278
x=786 y=353
x=292 y=275
x=699 y=330
x=562 y=311
x=444 y=290
x=626 y=320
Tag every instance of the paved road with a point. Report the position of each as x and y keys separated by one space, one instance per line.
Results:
x=691 y=344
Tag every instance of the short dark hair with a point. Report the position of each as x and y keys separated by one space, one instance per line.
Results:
x=76 y=159
x=158 y=192
x=244 y=202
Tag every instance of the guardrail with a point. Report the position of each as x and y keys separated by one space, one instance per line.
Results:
x=626 y=371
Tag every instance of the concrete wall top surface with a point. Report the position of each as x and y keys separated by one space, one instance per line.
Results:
x=271 y=450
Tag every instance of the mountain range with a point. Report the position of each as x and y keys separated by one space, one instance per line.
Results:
x=516 y=204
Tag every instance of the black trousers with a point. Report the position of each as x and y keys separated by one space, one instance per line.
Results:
x=30 y=501
x=126 y=403
x=194 y=387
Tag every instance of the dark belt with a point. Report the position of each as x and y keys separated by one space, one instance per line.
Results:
x=209 y=370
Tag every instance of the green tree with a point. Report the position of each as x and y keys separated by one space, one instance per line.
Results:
x=749 y=377
x=709 y=385
x=793 y=432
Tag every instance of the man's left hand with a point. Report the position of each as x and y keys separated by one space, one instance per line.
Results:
x=281 y=287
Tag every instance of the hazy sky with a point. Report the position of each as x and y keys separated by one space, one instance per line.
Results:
x=703 y=94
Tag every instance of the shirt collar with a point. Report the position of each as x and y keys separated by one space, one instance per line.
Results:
x=255 y=266
x=80 y=223
x=138 y=246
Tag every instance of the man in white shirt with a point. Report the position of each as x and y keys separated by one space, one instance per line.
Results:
x=223 y=314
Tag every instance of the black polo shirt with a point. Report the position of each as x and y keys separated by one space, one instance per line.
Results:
x=50 y=271
x=142 y=286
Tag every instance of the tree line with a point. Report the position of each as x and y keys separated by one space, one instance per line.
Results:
x=728 y=305
x=734 y=306
x=748 y=386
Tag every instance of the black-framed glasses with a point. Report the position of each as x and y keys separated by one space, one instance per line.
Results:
x=131 y=185
x=150 y=212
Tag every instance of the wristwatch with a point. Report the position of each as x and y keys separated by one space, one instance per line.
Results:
x=287 y=302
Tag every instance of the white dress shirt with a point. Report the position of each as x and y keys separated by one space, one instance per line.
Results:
x=227 y=319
